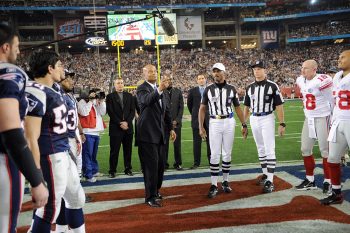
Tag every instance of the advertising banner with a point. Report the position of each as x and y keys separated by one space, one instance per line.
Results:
x=269 y=36
x=189 y=27
x=69 y=27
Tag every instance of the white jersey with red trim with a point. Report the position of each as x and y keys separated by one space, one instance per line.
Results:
x=341 y=93
x=317 y=95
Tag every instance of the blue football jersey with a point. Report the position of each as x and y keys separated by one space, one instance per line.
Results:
x=12 y=85
x=47 y=103
x=72 y=108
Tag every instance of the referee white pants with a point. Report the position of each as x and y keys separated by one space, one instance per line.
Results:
x=221 y=136
x=263 y=129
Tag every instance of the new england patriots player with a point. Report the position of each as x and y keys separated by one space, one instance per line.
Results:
x=46 y=130
x=15 y=157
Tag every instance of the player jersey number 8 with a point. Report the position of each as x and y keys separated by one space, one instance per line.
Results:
x=344 y=100
x=310 y=103
x=60 y=121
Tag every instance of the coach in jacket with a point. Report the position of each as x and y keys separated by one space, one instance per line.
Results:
x=121 y=110
x=154 y=118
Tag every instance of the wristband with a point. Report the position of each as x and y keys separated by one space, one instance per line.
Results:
x=244 y=125
x=283 y=125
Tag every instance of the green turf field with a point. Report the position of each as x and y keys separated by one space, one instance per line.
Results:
x=244 y=151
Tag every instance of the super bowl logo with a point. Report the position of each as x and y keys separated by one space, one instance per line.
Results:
x=70 y=28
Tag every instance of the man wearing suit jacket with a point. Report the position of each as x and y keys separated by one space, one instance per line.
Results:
x=193 y=103
x=153 y=120
x=177 y=109
x=121 y=110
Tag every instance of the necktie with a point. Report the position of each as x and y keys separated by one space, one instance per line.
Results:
x=201 y=90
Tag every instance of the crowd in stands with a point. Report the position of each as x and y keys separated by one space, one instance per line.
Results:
x=319 y=29
x=44 y=3
x=294 y=9
x=283 y=65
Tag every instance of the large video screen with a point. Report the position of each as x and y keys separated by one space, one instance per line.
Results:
x=142 y=30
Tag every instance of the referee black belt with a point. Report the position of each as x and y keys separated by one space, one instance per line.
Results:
x=262 y=113
x=222 y=116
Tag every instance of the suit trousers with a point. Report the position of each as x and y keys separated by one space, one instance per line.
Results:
x=197 y=146
x=152 y=161
x=115 y=142
x=177 y=148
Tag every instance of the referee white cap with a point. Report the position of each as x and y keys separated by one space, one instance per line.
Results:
x=219 y=66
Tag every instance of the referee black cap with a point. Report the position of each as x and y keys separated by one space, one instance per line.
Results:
x=258 y=63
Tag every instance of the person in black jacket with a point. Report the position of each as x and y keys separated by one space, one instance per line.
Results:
x=154 y=118
x=193 y=102
x=121 y=110
x=175 y=98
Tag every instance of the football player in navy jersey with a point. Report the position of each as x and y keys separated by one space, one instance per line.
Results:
x=46 y=130
x=75 y=136
x=15 y=156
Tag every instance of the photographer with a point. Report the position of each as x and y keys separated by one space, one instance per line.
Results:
x=90 y=110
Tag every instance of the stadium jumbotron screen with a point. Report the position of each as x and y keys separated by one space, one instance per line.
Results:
x=142 y=30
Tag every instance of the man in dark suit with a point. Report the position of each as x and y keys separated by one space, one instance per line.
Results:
x=121 y=110
x=193 y=103
x=154 y=118
x=177 y=109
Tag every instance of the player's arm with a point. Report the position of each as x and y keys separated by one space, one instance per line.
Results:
x=15 y=144
x=326 y=88
x=190 y=101
x=201 y=116
x=32 y=127
x=280 y=117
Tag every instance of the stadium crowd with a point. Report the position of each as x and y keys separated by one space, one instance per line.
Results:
x=283 y=65
x=319 y=29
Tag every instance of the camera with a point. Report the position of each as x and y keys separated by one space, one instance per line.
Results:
x=85 y=94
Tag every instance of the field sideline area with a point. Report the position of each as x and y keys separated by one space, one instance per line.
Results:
x=244 y=151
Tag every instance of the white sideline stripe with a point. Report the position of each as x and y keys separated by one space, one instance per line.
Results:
x=190 y=140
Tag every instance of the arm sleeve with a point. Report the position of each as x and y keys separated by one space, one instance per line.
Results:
x=9 y=87
x=246 y=98
x=235 y=99
x=36 y=102
x=101 y=108
x=84 y=108
x=181 y=108
x=190 y=101
x=278 y=98
x=146 y=97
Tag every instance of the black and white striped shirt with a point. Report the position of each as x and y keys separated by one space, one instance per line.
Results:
x=220 y=98
x=262 y=97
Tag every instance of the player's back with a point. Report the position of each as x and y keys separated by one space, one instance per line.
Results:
x=47 y=103
x=12 y=85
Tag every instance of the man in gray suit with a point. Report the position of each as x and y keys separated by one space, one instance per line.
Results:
x=193 y=103
x=175 y=98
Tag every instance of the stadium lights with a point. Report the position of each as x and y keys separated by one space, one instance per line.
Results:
x=313 y=1
x=224 y=41
x=173 y=46
x=107 y=48
x=49 y=47
x=209 y=42
x=191 y=43
x=69 y=46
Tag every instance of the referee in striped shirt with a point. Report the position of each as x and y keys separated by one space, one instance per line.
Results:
x=262 y=98
x=221 y=98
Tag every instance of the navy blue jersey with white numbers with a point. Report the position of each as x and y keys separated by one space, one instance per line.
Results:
x=47 y=103
x=72 y=112
x=12 y=85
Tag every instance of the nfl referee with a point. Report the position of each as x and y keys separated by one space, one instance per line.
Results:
x=221 y=98
x=261 y=99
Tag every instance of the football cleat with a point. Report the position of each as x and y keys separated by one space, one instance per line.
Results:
x=332 y=199
x=226 y=187
x=268 y=187
x=327 y=188
x=213 y=191
x=261 y=180
x=306 y=185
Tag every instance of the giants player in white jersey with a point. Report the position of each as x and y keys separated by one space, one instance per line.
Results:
x=339 y=135
x=318 y=103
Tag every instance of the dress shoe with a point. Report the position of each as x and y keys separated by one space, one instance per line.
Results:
x=128 y=173
x=159 y=196
x=153 y=203
x=194 y=167
x=111 y=175
x=178 y=167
